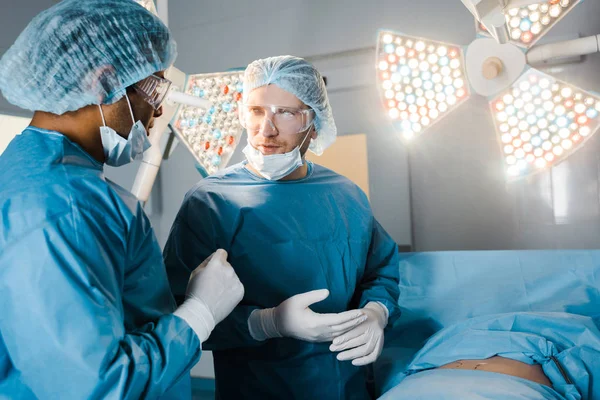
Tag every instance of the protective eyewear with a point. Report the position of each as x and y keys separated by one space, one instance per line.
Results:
x=283 y=119
x=153 y=89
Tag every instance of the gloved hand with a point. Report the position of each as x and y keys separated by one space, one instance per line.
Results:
x=364 y=343
x=212 y=293
x=293 y=318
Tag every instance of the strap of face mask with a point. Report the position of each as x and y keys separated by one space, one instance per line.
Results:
x=130 y=109
x=307 y=134
x=102 y=115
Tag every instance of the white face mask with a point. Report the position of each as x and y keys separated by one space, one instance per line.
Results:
x=119 y=151
x=275 y=166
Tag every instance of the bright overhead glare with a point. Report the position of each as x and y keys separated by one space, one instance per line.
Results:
x=526 y=25
x=211 y=135
x=430 y=74
x=548 y=132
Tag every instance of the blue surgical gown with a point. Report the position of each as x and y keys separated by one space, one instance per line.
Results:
x=285 y=238
x=85 y=305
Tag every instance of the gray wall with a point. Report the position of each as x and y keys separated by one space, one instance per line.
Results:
x=14 y=17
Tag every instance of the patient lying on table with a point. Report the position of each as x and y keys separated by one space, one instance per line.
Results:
x=508 y=356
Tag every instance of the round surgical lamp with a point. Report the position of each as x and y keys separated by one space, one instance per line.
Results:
x=539 y=120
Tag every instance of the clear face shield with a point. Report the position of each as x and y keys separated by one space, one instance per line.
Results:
x=153 y=89
x=286 y=120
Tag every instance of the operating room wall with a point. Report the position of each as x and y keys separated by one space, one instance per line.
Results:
x=14 y=16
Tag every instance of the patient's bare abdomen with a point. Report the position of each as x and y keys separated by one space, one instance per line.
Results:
x=503 y=365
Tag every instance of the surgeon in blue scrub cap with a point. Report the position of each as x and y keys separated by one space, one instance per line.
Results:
x=320 y=273
x=86 y=311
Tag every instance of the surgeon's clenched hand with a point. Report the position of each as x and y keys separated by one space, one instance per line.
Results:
x=294 y=318
x=364 y=343
x=213 y=292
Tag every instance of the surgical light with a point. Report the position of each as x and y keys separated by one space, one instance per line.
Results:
x=527 y=24
x=205 y=119
x=574 y=120
x=212 y=134
x=427 y=80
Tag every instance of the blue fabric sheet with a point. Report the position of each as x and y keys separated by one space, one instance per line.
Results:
x=546 y=339
x=454 y=384
x=446 y=289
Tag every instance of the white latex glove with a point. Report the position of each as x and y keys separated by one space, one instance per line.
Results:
x=364 y=343
x=212 y=293
x=293 y=318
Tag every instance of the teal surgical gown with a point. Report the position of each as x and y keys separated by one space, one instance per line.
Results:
x=285 y=238
x=85 y=305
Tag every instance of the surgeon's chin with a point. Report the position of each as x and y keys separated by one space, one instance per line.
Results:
x=269 y=150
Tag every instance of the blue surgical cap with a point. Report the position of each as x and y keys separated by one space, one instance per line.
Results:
x=300 y=78
x=82 y=52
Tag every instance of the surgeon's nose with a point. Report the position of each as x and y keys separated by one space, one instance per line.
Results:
x=267 y=128
x=159 y=112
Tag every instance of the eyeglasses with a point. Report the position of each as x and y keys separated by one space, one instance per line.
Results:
x=153 y=89
x=284 y=119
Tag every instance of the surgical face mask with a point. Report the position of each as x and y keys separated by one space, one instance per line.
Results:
x=275 y=166
x=119 y=151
